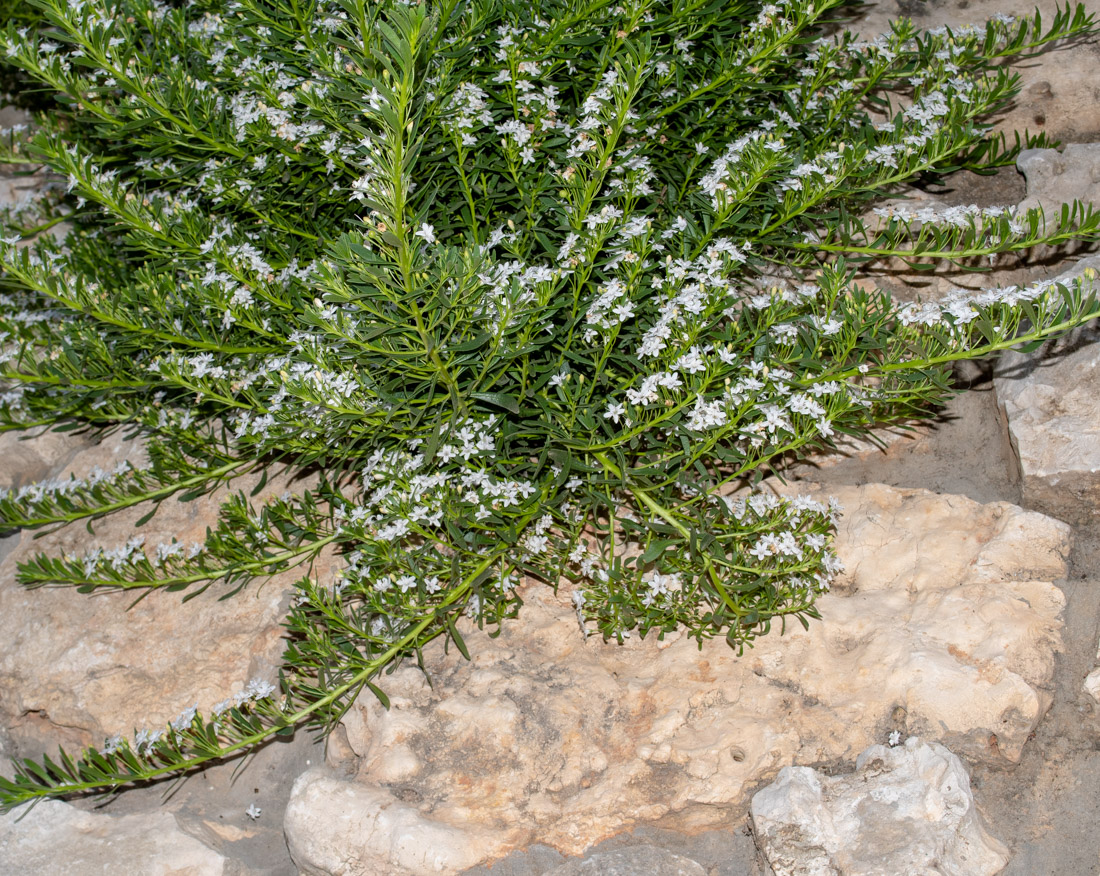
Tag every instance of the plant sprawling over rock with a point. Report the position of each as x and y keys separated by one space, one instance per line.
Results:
x=534 y=288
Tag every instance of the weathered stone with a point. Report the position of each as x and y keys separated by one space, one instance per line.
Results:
x=351 y=829
x=1055 y=178
x=1051 y=398
x=1092 y=684
x=76 y=669
x=945 y=625
x=631 y=861
x=905 y=810
x=56 y=839
x=29 y=456
x=1092 y=680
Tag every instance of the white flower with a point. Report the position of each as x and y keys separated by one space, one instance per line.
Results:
x=536 y=544
x=707 y=415
x=427 y=232
x=258 y=688
x=253 y=811
x=112 y=744
x=614 y=412
x=184 y=719
x=895 y=738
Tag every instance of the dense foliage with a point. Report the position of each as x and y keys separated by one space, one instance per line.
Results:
x=536 y=289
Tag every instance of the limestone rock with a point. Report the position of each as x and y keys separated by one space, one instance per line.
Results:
x=56 y=839
x=945 y=625
x=77 y=668
x=1055 y=178
x=905 y=810
x=1051 y=398
x=29 y=456
x=335 y=827
x=1092 y=684
x=631 y=861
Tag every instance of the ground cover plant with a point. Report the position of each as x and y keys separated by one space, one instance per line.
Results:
x=536 y=289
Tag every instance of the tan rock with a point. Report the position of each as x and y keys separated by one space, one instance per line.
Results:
x=945 y=625
x=56 y=839
x=76 y=668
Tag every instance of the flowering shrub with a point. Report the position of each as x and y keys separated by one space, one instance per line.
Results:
x=540 y=289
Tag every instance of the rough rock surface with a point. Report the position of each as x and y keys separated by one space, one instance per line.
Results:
x=350 y=828
x=945 y=626
x=1052 y=401
x=905 y=810
x=78 y=668
x=56 y=839
x=30 y=456
x=1092 y=684
x=1055 y=178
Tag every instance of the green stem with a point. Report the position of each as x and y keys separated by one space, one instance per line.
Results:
x=30 y=522
x=179 y=580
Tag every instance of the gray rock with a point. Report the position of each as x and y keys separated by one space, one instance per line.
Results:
x=1055 y=178
x=534 y=860
x=56 y=839
x=11 y=115
x=336 y=828
x=1051 y=399
x=905 y=811
x=631 y=861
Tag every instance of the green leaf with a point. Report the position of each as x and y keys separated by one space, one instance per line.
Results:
x=456 y=637
x=378 y=692
x=1031 y=346
x=498 y=399
x=474 y=343
x=656 y=549
x=259 y=486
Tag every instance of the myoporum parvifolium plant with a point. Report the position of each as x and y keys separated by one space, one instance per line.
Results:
x=534 y=289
